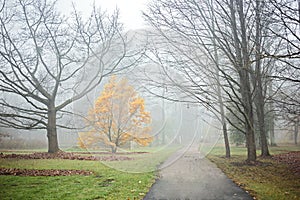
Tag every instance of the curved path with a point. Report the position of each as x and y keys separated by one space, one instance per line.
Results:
x=193 y=178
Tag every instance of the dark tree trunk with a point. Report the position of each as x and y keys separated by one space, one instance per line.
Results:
x=224 y=124
x=244 y=66
x=260 y=112
x=262 y=129
x=225 y=134
x=248 y=113
x=51 y=130
x=259 y=99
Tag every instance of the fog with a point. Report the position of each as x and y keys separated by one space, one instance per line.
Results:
x=176 y=119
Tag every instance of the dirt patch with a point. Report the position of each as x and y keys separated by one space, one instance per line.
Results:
x=64 y=155
x=43 y=172
x=292 y=159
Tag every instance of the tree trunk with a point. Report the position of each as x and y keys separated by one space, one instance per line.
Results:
x=223 y=121
x=260 y=112
x=262 y=129
x=271 y=130
x=248 y=114
x=296 y=131
x=219 y=93
x=226 y=141
x=51 y=130
x=271 y=118
x=244 y=65
x=259 y=99
x=114 y=149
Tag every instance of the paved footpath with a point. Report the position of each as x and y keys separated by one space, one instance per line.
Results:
x=193 y=178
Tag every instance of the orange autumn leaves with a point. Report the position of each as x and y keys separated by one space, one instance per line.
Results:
x=118 y=117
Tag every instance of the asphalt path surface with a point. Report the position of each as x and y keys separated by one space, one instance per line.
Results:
x=189 y=176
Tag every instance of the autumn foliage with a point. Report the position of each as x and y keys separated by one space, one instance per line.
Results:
x=117 y=117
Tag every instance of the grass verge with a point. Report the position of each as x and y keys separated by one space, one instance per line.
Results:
x=105 y=183
x=269 y=180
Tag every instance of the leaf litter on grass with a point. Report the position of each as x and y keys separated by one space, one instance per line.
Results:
x=65 y=155
x=273 y=178
x=42 y=172
x=54 y=172
x=292 y=159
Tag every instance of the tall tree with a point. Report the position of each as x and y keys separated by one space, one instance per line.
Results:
x=118 y=117
x=258 y=79
x=46 y=59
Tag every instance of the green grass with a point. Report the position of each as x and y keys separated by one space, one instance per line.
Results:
x=268 y=181
x=142 y=162
x=105 y=183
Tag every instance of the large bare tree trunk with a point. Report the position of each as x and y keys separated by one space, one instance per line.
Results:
x=260 y=111
x=261 y=127
x=243 y=65
x=249 y=117
x=259 y=99
x=51 y=130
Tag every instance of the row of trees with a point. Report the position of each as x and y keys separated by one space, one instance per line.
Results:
x=231 y=56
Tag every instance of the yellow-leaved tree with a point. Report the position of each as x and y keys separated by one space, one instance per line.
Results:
x=117 y=118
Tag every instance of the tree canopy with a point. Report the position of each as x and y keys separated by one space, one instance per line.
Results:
x=117 y=117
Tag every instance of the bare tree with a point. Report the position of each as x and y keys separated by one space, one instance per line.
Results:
x=49 y=61
x=188 y=66
x=207 y=26
x=287 y=71
x=258 y=75
x=287 y=103
x=287 y=28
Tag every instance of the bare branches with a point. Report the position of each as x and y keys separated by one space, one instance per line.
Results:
x=49 y=61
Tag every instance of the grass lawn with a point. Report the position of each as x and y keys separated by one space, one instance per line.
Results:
x=105 y=183
x=269 y=181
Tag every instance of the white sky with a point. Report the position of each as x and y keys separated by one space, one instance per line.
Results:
x=130 y=10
